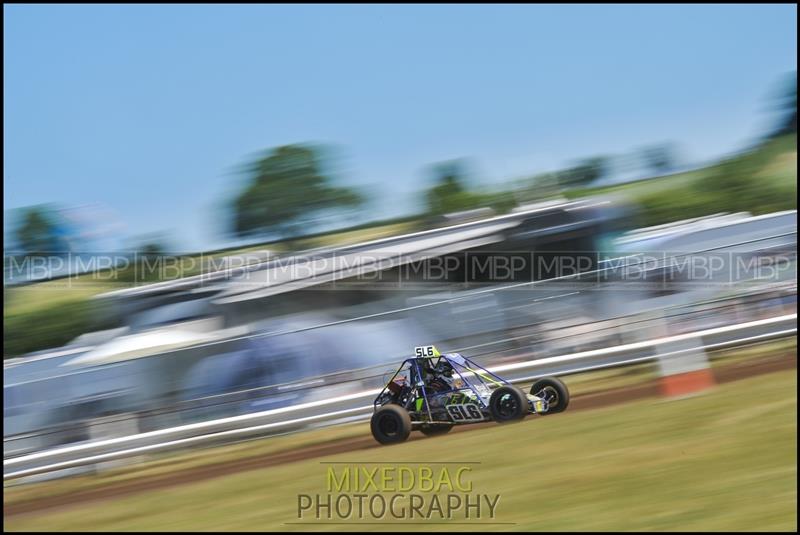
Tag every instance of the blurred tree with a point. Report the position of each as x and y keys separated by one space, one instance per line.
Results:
x=37 y=233
x=152 y=250
x=660 y=159
x=786 y=103
x=287 y=190
x=586 y=172
x=449 y=193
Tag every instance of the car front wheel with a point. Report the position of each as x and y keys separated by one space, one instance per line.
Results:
x=554 y=392
x=390 y=424
x=508 y=404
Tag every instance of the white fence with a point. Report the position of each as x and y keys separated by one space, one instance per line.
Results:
x=360 y=404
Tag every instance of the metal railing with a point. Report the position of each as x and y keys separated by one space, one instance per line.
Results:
x=517 y=347
x=360 y=404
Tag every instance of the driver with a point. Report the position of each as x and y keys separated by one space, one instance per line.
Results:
x=439 y=378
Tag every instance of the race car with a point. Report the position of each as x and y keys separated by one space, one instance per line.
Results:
x=432 y=392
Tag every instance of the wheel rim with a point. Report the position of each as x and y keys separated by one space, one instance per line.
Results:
x=550 y=395
x=507 y=406
x=388 y=425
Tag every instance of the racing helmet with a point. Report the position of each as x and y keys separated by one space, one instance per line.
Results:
x=444 y=368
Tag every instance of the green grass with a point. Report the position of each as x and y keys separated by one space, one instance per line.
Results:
x=725 y=460
x=165 y=463
x=761 y=180
x=350 y=237
x=168 y=463
x=35 y=297
x=748 y=354
x=777 y=159
x=49 y=314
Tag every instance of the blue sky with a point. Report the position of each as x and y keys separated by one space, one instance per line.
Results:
x=148 y=111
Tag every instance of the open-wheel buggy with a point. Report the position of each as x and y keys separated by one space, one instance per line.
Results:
x=431 y=392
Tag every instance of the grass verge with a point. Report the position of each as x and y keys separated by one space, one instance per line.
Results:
x=725 y=460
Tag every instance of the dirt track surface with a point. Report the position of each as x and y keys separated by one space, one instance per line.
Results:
x=600 y=399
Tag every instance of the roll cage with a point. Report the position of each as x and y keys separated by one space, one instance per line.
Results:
x=413 y=395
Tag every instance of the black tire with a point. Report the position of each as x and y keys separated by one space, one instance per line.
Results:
x=508 y=404
x=390 y=424
x=436 y=429
x=554 y=391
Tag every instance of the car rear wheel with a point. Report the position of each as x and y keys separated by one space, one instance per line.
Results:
x=554 y=392
x=508 y=404
x=390 y=424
